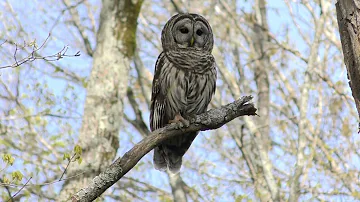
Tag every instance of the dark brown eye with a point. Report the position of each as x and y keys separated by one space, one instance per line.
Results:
x=184 y=30
x=199 y=32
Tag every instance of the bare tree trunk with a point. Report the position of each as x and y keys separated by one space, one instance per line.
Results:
x=107 y=86
x=265 y=182
x=177 y=187
x=348 y=15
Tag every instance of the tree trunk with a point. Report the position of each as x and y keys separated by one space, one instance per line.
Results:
x=348 y=15
x=106 y=88
x=266 y=186
x=177 y=187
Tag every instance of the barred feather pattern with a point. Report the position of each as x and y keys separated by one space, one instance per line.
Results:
x=184 y=82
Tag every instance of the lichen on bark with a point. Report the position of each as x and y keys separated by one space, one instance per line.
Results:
x=126 y=25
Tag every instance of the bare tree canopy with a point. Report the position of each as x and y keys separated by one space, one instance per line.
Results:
x=75 y=92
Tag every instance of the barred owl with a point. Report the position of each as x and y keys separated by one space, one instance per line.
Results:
x=183 y=84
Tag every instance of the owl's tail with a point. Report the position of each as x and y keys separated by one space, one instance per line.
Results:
x=169 y=154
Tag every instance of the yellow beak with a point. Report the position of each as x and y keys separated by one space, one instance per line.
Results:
x=192 y=41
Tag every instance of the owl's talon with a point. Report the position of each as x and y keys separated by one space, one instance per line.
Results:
x=186 y=123
x=178 y=125
x=180 y=122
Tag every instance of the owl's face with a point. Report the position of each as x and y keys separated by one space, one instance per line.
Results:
x=187 y=31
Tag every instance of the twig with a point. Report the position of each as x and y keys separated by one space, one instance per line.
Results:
x=70 y=160
x=7 y=190
x=44 y=113
x=76 y=20
x=212 y=119
x=35 y=56
x=3 y=43
x=11 y=198
x=176 y=7
x=43 y=184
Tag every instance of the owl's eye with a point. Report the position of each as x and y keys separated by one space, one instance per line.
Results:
x=199 y=32
x=184 y=30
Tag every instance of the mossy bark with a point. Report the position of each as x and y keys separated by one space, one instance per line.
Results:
x=106 y=88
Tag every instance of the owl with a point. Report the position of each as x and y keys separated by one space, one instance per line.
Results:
x=183 y=85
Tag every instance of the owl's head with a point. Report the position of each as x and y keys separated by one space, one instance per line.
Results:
x=187 y=31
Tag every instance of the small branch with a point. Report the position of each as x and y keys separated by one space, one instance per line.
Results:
x=76 y=20
x=40 y=114
x=67 y=166
x=210 y=120
x=11 y=198
x=138 y=122
x=176 y=7
x=33 y=55
x=7 y=190
x=3 y=43
x=42 y=184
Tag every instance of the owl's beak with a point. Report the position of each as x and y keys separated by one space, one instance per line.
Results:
x=192 y=41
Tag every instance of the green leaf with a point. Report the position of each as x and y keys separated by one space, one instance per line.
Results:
x=7 y=158
x=24 y=96
x=17 y=175
x=84 y=82
x=57 y=69
x=6 y=180
x=59 y=144
x=12 y=112
x=346 y=131
x=66 y=156
x=78 y=150
x=79 y=160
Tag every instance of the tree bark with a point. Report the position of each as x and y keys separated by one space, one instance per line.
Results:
x=106 y=87
x=177 y=187
x=348 y=17
x=212 y=119
x=265 y=183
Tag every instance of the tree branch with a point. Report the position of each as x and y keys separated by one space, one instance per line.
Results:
x=76 y=20
x=210 y=120
x=34 y=55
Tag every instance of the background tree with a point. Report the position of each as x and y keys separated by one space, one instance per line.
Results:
x=106 y=87
x=285 y=53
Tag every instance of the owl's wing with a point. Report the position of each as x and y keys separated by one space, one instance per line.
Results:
x=157 y=107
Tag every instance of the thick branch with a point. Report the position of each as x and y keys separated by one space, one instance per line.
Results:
x=212 y=119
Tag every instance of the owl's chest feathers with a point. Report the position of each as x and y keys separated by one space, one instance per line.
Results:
x=186 y=89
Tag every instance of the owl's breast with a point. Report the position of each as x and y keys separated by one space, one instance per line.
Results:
x=175 y=85
x=199 y=92
x=188 y=92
